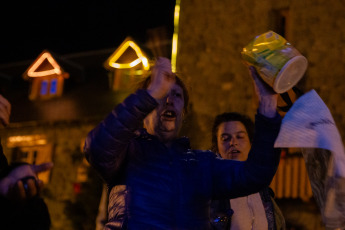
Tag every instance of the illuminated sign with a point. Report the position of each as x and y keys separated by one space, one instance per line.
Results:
x=30 y=140
x=46 y=77
x=113 y=60
x=54 y=67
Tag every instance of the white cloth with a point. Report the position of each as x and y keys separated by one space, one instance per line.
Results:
x=249 y=213
x=309 y=125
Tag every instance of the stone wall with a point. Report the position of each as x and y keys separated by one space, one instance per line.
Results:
x=212 y=34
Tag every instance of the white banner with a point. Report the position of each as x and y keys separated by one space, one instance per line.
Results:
x=310 y=126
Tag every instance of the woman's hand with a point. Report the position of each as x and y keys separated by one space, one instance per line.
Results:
x=267 y=97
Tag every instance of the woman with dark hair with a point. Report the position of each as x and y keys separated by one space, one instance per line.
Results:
x=228 y=117
x=232 y=137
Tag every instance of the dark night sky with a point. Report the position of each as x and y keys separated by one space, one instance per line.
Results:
x=68 y=26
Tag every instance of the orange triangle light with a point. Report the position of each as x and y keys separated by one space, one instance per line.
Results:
x=32 y=71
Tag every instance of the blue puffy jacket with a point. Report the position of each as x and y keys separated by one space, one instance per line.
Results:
x=155 y=187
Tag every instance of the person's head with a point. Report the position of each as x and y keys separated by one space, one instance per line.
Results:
x=232 y=135
x=166 y=120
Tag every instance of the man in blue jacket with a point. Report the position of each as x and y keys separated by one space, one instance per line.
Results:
x=155 y=180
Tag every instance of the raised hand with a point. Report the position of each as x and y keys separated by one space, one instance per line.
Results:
x=267 y=97
x=162 y=78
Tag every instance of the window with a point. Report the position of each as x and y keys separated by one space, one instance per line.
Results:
x=32 y=149
x=53 y=86
x=44 y=87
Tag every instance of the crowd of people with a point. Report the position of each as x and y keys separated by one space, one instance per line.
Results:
x=154 y=179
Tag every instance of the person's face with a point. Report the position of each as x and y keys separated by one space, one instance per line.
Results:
x=165 y=121
x=233 y=141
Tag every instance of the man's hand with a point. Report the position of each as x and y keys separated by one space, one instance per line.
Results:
x=267 y=97
x=22 y=182
x=5 y=111
x=162 y=79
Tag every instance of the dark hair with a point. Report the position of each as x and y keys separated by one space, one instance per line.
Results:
x=144 y=84
x=232 y=116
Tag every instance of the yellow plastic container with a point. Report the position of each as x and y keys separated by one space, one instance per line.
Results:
x=278 y=63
